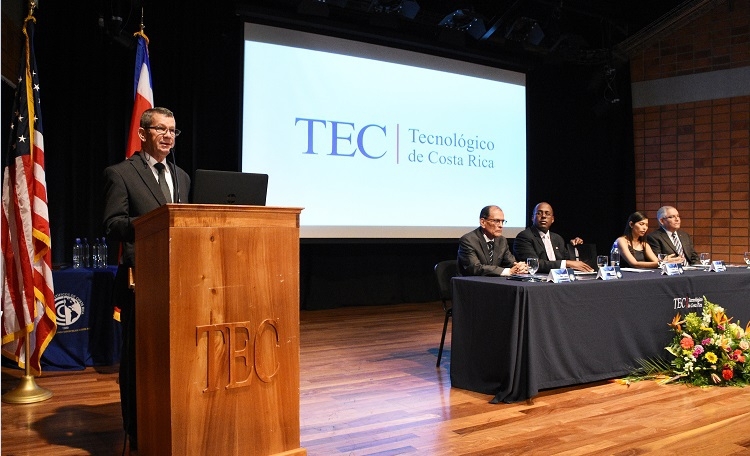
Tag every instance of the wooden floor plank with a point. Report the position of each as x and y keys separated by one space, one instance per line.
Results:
x=369 y=386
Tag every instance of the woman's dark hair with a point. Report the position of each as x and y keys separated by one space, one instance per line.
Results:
x=634 y=218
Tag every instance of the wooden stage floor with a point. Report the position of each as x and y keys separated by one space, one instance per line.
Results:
x=369 y=386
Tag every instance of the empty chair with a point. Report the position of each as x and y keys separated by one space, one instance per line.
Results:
x=444 y=272
x=586 y=253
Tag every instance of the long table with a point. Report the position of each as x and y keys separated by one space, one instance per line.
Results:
x=513 y=339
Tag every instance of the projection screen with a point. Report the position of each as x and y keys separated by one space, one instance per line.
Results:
x=377 y=142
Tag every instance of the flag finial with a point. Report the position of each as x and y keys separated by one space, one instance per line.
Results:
x=140 y=32
x=32 y=7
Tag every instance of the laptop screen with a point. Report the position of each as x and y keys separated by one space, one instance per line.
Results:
x=229 y=187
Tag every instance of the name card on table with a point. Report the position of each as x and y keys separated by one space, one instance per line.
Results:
x=671 y=269
x=717 y=266
x=560 y=276
x=609 y=273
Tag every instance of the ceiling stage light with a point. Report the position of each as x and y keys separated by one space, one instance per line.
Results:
x=407 y=9
x=464 y=21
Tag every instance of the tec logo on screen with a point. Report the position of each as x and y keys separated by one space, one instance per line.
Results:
x=340 y=138
x=346 y=139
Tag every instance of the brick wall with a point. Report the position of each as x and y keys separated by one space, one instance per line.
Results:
x=696 y=156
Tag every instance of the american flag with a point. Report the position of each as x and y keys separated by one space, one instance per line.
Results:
x=142 y=93
x=28 y=303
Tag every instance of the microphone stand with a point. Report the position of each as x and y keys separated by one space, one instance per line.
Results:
x=175 y=178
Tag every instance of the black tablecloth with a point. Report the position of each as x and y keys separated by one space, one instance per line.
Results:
x=86 y=333
x=512 y=339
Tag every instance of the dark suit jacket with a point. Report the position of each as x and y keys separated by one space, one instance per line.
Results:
x=131 y=190
x=529 y=244
x=474 y=256
x=660 y=242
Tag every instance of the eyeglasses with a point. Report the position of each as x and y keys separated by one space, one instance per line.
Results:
x=497 y=221
x=541 y=213
x=162 y=130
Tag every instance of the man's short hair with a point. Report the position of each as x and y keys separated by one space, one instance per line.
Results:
x=485 y=212
x=148 y=115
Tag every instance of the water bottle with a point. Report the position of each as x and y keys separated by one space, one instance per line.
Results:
x=103 y=253
x=614 y=256
x=85 y=253
x=96 y=261
x=77 y=254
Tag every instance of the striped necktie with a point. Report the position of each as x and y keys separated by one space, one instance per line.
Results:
x=491 y=248
x=677 y=243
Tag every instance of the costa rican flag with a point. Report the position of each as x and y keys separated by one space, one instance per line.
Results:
x=143 y=93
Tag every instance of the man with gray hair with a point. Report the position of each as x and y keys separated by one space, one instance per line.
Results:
x=669 y=239
x=484 y=251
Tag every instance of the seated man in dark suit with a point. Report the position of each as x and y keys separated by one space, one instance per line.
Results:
x=670 y=239
x=537 y=241
x=484 y=251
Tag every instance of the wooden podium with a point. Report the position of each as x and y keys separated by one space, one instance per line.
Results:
x=217 y=330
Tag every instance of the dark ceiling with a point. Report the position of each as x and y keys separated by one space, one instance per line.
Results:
x=511 y=32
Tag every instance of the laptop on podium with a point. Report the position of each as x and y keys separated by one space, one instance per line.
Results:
x=229 y=187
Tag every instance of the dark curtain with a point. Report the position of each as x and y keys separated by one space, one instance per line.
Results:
x=579 y=154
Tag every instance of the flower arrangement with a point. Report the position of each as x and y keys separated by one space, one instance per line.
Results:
x=710 y=349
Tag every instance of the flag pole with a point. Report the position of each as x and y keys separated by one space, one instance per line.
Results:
x=27 y=391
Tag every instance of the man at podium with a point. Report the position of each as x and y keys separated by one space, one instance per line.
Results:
x=134 y=187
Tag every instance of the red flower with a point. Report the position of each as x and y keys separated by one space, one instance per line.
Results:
x=687 y=343
x=727 y=373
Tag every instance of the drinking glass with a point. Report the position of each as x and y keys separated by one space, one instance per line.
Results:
x=705 y=260
x=662 y=257
x=601 y=261
x=747 y=259
x=533 y=264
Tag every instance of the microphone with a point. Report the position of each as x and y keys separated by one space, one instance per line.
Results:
x=176 y=178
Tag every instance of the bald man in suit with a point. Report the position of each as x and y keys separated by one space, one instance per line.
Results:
x=132 y=189
x=530 y=243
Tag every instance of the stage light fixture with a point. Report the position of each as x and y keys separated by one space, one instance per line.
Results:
x=525 y=30
x=407 y=9
x=465 y=21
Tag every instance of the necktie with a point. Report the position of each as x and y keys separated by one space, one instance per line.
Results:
x=677 y=243
x=163 y=182
x=491 y=247
x=548 y=246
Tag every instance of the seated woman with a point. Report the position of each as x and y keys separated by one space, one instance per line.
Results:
x=634 y=250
